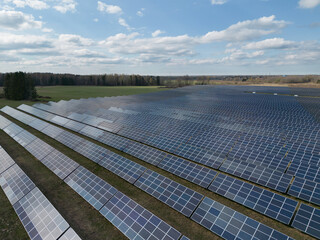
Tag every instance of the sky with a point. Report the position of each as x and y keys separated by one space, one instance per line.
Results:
x=160 y=37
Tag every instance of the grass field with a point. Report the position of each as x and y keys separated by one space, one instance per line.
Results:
x=57 y=93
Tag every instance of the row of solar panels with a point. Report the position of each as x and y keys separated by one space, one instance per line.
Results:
x=194 y=152
x=129 y=217
x=301 y=188
x=180 y=198
x=136 y=135
x=38 y=216
x=263 y=201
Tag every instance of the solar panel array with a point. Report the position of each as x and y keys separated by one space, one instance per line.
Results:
x=261 y=200
x=34 y=210
x=307 y=220
x=265 y=139
x=177 y=196
x=230 y=224
x=38 y=216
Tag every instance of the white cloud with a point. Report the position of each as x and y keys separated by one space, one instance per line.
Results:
x=75 y=40
x=309 y=3
x=140 y=13
x=96 y=20
x=246 y=30
x=47 y=30
x=130 y=44
x=66 y=6
x=218 y=2
x=123 y=23
x=18 y=20
x=35 y=4
x=111 y=9
x=273 y=43
x=157 y=33
x=14 y=41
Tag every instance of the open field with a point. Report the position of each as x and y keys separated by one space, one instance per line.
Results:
x=57 y=93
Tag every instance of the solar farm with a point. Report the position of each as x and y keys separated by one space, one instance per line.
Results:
x=231 y=162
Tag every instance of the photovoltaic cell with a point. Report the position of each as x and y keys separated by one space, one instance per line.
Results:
x=59 y=120
x=13 y=129
x=69 y=139
x=74 y=126
x=135 y=222
x=39 y=217
x=5 y=160
x=15 y=183
x=175 y=195
x=257 y=174
x=91 y=132
x=92 y=151
x=39 y=124
x=52 y=131
x=307 y=220
x=190 y=171
x=4 y=122
x=205 y=157
x=145 y=153
x=230 y=224
x=114 y=141
x=123 y=167
x=24 y=138
x=59 y=163
x=92 y=188
x=70 y=234
x=184 y=238
x=268 y=203
x=39 y=149
x=306 y=190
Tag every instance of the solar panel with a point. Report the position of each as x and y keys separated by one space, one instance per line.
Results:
x=38 y=124
x=15 y=183
x=135 y=222
x=39 y=217
x=306 y=190
x=145 y=153
x=59 y=163
x=309 y=172
x=123 y=167
x=13 y=130
x=91 y=132
x=5 y=160
x=175 y=195
x=230 y=224
x=114 y=141
x=4 y=122
x=74 y=126
x=70 y=234
x=39 y=149
x=92 y=188
x=52 y=131
x=69 y=139
x=92 y=151
x=34 y=111
x=195 y=173
x=199 y=155
x=59 y=120
x=307 y=220
x=24 y=138
x=257 y=174
x=261 y=200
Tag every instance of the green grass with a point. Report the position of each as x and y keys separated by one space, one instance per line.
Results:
x=57 y=93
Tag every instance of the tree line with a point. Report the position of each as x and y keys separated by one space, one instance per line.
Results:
x=51 y=79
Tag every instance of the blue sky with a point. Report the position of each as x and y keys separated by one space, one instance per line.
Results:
x=160 y=37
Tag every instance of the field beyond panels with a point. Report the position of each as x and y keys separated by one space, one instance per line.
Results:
x=57 y=93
